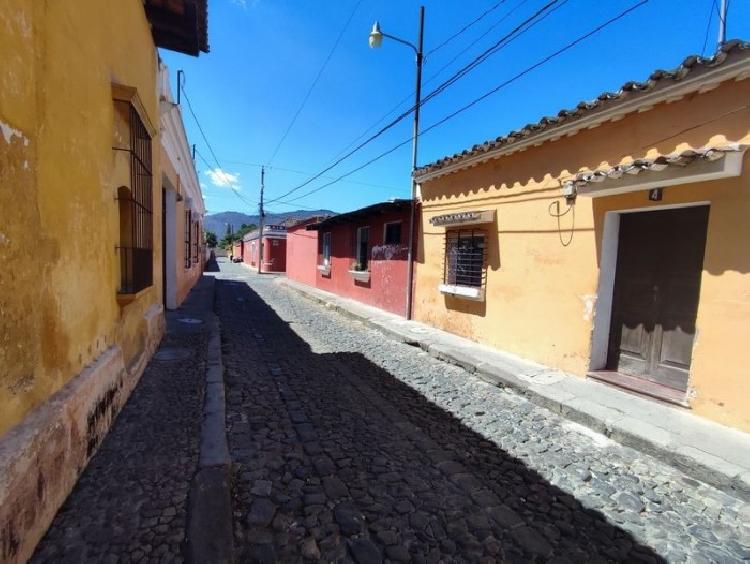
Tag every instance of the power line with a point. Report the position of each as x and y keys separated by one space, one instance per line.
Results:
x=314 y=82
x=516 y=77
x=458 y=75
x=307 y=173
x=466 y=27
x=432 y=77
x=234 y=190
x=708 y=25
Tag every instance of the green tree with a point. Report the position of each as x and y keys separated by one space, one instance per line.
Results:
x=211 y=239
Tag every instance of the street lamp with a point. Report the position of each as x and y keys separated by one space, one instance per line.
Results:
x=376 y=40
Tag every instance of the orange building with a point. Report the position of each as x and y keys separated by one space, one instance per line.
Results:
x=608 y=241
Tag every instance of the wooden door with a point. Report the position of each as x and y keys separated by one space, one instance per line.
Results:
x=657 y=283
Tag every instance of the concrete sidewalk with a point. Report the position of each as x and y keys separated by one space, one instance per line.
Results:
x=707 y=451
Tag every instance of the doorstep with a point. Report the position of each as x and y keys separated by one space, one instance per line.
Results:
x=641 y=386
x=704 y=450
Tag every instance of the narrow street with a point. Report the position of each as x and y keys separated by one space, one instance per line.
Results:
x=348 y=445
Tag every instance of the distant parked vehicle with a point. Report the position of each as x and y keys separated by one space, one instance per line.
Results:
x=237 y=259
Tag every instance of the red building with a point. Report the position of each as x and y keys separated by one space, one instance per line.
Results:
x=302 y=252
x=238 y=248
x=274 y=249
x=360 y=255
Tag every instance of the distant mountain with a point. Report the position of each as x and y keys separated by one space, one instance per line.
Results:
x=217 y=222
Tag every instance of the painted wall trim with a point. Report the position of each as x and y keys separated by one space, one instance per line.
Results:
x=465 y=292
x=702 y=171
x=130 y=94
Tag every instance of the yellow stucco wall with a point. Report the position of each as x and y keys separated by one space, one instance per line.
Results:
x=58 y=307
x=543 y=276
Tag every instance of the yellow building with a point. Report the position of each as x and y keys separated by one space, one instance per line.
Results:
x=609 y=241
x=80 y=198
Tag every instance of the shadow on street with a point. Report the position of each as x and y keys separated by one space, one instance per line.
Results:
x=336 y=458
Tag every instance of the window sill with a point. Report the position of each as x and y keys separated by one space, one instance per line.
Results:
x=324 y=269
x=360 y=275
x=463 y=292
x=124 y=298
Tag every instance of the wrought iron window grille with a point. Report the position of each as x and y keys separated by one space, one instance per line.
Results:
x=465 y=258
x=135 y=203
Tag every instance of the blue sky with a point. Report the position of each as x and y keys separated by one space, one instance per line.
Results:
x=266 y=53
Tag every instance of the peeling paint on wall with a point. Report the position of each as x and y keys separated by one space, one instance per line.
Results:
x=10 y=132
x=589 y=300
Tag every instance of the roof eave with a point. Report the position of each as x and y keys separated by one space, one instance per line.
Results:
x=708 y=79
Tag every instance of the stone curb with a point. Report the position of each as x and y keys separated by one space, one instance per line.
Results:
x=210 y=530
x=617 y=425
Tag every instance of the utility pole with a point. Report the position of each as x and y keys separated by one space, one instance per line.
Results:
x=262 y=215
x=375 y=39
x=415 y=139
x=722 y=24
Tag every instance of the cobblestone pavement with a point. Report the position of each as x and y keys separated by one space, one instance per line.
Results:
x=348 y=446
x=130 y=503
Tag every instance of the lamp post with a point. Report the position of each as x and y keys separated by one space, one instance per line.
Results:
x=376 y=39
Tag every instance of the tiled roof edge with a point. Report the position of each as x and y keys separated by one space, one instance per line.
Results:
x=689 y=65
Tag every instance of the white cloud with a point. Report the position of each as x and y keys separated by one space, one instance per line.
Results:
x=224 y=179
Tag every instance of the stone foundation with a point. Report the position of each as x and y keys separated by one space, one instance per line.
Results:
x=42 y=457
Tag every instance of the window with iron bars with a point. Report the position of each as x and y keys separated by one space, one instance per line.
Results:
x=135 y=205
x=197 y=243
x=465 y=254
x=188 y=236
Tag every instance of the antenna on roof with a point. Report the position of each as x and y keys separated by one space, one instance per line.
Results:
x=722 y=24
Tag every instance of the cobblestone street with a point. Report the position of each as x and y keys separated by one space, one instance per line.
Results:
x=348 y=446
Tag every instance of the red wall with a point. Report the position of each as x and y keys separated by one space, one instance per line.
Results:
x=237 y=249
x=388 y=265
x=248 y=257
x=302 y=254
x=274 y=254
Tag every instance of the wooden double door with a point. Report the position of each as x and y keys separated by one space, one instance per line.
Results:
x=657 y=284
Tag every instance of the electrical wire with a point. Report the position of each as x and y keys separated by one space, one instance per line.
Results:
x=708 y=26
x=307 y=173
x=234 y=190
x=502 y=85
x=432 y=77
x=466 y=27
x=457 y=76
x=314 y=82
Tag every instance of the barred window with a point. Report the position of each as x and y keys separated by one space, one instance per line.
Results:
x=188 y=236
x=464 y=258
x=135 y=202
x=196 y=245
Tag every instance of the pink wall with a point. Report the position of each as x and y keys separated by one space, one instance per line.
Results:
x=386 y=288
x=302 y=254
